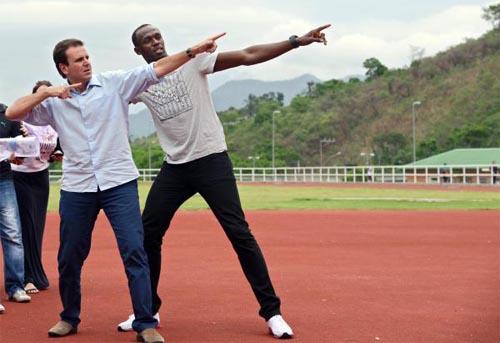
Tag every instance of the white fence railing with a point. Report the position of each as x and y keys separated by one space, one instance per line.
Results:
x=451 y=174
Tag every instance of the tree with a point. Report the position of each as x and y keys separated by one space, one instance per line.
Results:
x=416 y=53
x=391 y=147
x=374 y=68
x=300 y=104
x=473 y=135
x=253 y=102
x=492 y=14
x=427 y=148
x=281 y=98
x=251 y=105
x=310 y=88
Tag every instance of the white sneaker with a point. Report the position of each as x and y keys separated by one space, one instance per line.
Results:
x=127 y=325
x=279 y=328
x=2 y=309
x=20 y=296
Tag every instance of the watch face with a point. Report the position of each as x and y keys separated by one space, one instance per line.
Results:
x=293 y=41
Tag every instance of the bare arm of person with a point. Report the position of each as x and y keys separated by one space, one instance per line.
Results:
x=25 y=104
x=265 y=52
x=170 y=63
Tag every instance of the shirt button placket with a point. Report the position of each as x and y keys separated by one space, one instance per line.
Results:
x=87 y=122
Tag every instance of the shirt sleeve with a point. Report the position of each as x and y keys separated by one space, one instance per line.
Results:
x=131 y=83
x=206 y=62
x=40 y=115
x=137 y=99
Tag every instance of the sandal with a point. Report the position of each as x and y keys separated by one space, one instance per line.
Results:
x=31 y=288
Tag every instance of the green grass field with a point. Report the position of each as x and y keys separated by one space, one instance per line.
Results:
x=271 y=197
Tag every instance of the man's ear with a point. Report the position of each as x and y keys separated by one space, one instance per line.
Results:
x=64 y=68
x=137 y=51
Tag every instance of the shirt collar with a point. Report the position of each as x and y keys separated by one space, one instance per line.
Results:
x=93 y=82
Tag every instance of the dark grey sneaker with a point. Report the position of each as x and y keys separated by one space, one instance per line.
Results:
x=150 y=336
x=62 y=329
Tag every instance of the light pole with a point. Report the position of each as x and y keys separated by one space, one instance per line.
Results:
x=253 y=158
x=371 y=156
x=149 y=148
x=321 y=142
x=415 y=103
x=274 y=112
x=231 y=123
x=149 y=154
x=337 y=155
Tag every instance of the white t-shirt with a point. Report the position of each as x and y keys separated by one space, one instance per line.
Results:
x=183 y=112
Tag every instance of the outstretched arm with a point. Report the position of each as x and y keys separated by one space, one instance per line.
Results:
x=265 y=52
x=170 y=63
x=23 y=105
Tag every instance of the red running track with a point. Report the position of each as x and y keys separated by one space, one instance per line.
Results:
x=343 y=276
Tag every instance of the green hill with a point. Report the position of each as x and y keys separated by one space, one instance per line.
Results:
x=460 y=94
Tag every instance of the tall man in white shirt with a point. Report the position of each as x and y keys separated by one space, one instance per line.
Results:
x=90 y=115
x=192 y=138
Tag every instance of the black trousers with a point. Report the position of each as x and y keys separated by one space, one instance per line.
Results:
x=211 y=176
x=32 y=190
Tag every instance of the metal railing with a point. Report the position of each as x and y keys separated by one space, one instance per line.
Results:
x=451 y=174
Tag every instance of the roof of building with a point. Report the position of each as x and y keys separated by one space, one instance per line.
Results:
x=479 y=156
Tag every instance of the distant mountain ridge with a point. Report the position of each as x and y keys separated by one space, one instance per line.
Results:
x=234 y=93
x=140 y=124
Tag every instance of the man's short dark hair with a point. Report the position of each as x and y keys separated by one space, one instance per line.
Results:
x=135 y=41
x=59 y=54
x=41 y=83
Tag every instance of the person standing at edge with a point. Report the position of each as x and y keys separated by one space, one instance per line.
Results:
x=90 y=115
x=10 y=223
x=192 y=138
x=31 y=181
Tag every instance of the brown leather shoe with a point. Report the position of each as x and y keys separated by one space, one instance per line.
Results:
x=150 y=336
x=62 y=329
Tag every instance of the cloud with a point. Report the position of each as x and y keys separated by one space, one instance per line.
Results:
x=31 y=28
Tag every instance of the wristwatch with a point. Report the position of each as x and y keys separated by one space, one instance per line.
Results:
x=190 y=53
x=294 y=41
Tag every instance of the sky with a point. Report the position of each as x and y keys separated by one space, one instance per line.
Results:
x=360 y=29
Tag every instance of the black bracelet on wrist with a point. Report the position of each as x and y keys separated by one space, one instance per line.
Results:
x=190 y=53
x=294 y=41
